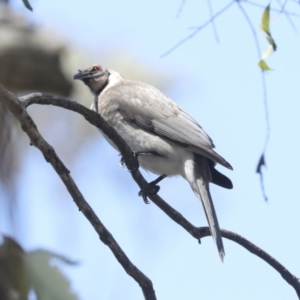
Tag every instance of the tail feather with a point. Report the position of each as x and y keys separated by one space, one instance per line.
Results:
x=199 y=180
x=220 y=179
x=211 y=216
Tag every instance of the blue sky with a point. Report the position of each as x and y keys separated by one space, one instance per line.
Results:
x=219 y=84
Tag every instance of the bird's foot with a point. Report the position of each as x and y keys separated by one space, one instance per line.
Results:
x=123 y=165
x=122 y=162
x=154 y=188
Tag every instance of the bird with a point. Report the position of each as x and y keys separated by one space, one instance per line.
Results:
x=167 y=141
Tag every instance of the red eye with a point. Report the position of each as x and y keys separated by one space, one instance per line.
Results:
x=96 y=68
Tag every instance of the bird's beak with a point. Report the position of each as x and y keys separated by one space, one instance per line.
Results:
x=79 y=75
x=89 y=74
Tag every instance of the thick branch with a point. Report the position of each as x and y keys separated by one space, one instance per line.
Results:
x=131 y=163
x=17 y=108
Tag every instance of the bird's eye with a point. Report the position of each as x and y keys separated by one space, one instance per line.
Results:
x=96 y=68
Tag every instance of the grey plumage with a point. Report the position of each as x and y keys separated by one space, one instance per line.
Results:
x=151 y=122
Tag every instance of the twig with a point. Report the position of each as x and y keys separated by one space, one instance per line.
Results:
x=286 y=275
x=213 y=17
x=213 y=24
x=282 y=10
x=196 y=232
x=180 y=8
x=272 y=9
x=17 y=108
x=198 y=29
x=265 y=101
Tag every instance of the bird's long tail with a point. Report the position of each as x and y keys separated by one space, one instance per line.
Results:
x=200 y=185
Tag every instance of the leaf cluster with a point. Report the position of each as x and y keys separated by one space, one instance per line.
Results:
x=22 y=272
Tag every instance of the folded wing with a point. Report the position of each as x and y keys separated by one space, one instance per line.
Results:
x=151 y=110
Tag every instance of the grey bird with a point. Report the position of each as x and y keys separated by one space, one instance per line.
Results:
x=167 y=140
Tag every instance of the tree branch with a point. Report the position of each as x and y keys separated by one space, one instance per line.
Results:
x=17 y=108
x=130 y=160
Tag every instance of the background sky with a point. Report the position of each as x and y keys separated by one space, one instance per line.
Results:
x=217 y=83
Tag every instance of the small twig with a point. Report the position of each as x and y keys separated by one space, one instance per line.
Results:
x=180 y=8
x=282 y=5
x=286 y=275
x=196 y=232
x=17 y=108
x=272 y=9
x=198 y=29
x=282 y=10
x=265 y=101
x=213 y=17
x=213 y=24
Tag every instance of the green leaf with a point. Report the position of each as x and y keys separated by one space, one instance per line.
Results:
x=262 y=64
x=267 y=52
x=47 y=280
x=265 y=22
x=265 y=26
x=27 y=4
x=14 y=279
x=21 y=271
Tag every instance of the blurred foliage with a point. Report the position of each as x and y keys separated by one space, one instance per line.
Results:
x=14 y=283
x=30 y=61
x=28 y=68
x=9 y=157
x=27 y=64
x=22 y=272
x=35 y=59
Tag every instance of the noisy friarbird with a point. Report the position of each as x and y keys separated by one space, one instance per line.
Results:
x=166 y=139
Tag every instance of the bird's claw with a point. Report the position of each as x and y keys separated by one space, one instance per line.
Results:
x=122 y=162
x=144 y=195
x=123 y=165
x=155 y=189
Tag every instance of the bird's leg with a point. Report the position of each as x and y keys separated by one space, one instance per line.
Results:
x=154 y=186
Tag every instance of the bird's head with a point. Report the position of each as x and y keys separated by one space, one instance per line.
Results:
x=94 y=77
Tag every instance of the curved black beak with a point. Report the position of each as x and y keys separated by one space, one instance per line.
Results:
x=88 y=74
x=78 y=75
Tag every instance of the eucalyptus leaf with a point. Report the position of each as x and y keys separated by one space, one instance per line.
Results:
x=265 y=22
x=262 y=64
x=265 y=26
x=47 y=280
x=267 y=52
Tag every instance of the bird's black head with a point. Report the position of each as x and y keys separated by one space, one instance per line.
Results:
x=94 y=77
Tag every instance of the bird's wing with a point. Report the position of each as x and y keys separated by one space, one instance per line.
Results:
x=151 y=110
